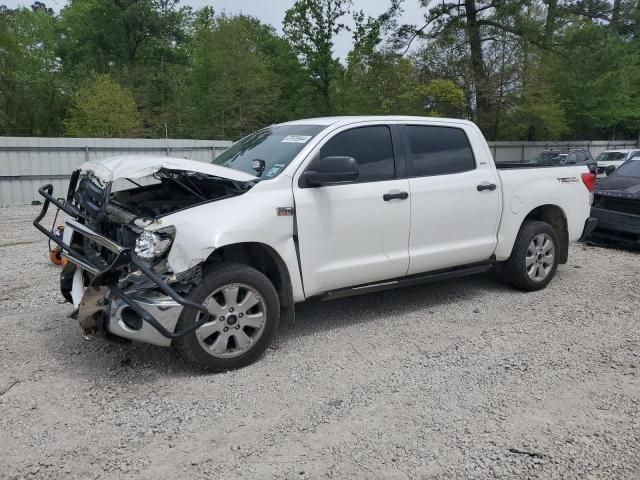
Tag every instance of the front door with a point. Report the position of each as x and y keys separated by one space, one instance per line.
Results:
x=355 y=233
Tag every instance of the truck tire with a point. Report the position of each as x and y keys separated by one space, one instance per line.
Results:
x=534 y=259
x=245 y=312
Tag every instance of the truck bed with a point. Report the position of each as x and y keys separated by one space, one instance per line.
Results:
x=526 y=186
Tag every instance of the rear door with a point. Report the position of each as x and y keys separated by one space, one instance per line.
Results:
x=355 y=233
x=455 y=198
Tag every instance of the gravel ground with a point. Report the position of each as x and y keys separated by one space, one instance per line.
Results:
x=461 y=379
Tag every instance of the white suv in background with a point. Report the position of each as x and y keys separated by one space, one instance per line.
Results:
x=615 y=158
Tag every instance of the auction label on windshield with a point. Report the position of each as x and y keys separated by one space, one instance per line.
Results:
x=275 y=169
x=296 y=139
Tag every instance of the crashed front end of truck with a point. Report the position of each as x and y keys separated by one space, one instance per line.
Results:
x=116 y=245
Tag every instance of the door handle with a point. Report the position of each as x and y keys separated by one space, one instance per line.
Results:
x=486 y=186
x=392 y=196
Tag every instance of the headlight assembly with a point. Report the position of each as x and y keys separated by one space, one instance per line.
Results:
x=150 y=245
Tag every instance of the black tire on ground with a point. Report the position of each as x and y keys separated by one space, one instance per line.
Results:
x=514 y=269
x=215 y=277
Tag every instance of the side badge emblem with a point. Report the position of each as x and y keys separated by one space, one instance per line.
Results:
x=285 y=211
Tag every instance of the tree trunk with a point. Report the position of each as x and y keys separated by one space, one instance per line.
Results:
x=550 y=23
x=615 y=16
x=637 y=32
x=477 y=63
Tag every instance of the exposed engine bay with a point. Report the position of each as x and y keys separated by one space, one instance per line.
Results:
x=116 y=230
x=175 y=191
x=165 y=192
x=119 y=210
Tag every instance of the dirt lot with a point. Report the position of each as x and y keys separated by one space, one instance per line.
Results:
x=466 y=378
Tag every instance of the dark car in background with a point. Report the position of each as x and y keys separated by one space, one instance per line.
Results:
x=573 y=156
x=616 y=204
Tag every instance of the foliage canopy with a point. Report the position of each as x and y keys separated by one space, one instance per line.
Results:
x=536 y=70
x=102 y=108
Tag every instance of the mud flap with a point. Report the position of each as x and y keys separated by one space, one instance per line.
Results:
x=288 y=315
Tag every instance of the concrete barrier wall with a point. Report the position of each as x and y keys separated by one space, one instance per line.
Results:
x=522 y=151
x=26 y=163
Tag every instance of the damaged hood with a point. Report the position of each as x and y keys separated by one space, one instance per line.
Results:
x=138 y=166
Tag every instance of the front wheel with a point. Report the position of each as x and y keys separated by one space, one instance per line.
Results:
x=534 y=259
x=244 y=313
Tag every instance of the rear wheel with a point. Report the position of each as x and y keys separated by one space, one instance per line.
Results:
x=244 y=313
x=534 y=259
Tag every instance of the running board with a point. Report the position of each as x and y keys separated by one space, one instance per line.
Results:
x=406 y=281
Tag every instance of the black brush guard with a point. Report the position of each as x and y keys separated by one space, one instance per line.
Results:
x=123 y=256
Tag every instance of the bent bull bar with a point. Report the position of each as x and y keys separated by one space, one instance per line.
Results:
x=123 y=256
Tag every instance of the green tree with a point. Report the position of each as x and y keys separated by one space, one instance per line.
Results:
x=139 y=43
x=378 y=83
x=441 y=98
x=489 y=36
x=379 y=80
x=232 y=88
x=537 y=113
x=103 y=108
x=31 y=82
x=294 y=99
x=596 y=77
x=310 y=26
x=541 y=69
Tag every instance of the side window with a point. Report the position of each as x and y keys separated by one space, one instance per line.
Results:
x=572 y=158
x=438 y=150
x=370 y=146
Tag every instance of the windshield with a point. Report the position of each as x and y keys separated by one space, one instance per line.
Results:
x=550 y=158
x=611 y=156
x=630 y=168
x=276 y=146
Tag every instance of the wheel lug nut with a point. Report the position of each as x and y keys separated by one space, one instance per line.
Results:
x=237 y=327
x=231 y=310
x=222 y=318
x=241 y=315
x=225 y=329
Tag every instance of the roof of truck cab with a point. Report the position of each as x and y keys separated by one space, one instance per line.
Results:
x=346 y=120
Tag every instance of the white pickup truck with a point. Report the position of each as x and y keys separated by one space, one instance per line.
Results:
x=210 y=257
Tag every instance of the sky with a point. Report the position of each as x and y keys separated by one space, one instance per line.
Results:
x=272 y=12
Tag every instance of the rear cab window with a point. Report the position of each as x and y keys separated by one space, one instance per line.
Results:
x=436 y=150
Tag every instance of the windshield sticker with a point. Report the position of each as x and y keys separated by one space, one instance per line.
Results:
x=273 y=171
x=296 y=139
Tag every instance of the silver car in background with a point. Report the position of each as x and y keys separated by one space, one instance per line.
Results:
x=614 y=157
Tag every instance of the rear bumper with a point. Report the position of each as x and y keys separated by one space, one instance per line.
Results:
x=589 y=226
x=611 y=220
x=619 y=226
x=105 y=279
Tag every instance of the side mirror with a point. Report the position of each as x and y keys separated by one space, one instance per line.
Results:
x=331 y=171
x=610 y=169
